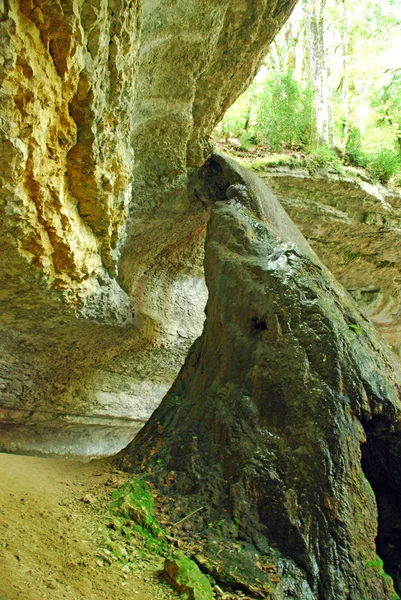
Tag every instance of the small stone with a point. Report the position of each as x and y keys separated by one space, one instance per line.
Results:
x=88 y=499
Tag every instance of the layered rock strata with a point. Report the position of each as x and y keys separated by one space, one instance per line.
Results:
x=354 y=225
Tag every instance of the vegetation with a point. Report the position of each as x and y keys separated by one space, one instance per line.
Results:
x=134 y=523
x=334 y=97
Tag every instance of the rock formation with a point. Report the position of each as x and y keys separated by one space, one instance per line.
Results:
x=354 y=226
x=106 y=108
x=286 y=407
x=289 y=400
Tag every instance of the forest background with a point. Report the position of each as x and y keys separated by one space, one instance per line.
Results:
x=329 y=90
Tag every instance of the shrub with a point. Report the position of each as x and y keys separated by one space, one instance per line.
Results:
x=232 y=126
x=325 y=157
x=284 y=116
x=384 y=164
x=248 y=139
x=353 y=148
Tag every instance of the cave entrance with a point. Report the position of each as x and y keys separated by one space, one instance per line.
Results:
x=382 y=467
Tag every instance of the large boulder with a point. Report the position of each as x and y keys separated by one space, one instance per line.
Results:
x=285 y=414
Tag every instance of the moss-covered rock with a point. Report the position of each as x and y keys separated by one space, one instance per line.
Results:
x=134 y=501
x=287 y=387
x=186 y=578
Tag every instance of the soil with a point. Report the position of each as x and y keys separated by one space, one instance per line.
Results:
x=53 y=535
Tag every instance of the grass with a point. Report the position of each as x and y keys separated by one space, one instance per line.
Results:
x=381 y=167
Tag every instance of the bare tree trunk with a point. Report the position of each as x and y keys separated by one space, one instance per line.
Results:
x=331 y=136
x=316 y=43
x=276 y=60
x=346 y=74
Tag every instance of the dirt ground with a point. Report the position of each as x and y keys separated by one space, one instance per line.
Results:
x=53 y=515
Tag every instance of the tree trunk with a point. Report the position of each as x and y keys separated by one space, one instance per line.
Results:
x=315 y=36
x=266 y=424
x=276 y=60
x=345 y=37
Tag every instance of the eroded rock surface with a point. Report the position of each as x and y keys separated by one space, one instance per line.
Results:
x=267 y=422
x=104 y=104
x=355 y=228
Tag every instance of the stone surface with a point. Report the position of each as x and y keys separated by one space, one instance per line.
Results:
x=185 y=577
x=104 y=104
x=286 y=404
x=354 y=226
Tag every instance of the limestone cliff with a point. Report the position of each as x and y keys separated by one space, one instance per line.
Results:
x=107 y=186
x=106 y=108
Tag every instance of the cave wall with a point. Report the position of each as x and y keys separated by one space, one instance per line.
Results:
x=106 y=109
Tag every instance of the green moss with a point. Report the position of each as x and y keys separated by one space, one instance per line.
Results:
x=132 y=506
x=379 y=565
x=134 y=501
x=274 y=160
x=184 y=575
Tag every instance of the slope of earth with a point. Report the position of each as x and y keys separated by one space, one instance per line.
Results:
x=52 y=535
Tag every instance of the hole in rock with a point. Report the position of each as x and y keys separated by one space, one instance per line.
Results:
x=382 y=467
x=259 y=323
x=209 y=183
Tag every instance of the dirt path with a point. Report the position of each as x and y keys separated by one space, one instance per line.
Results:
x=52 y=523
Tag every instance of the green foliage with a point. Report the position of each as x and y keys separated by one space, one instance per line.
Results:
x=277 y=110
x=384 y=164
x=379 y=18
x=248 y=139
x=355 y=328
x=284 y=116
x=232 y=126
x=325 y=157
x=236 y=121
x=353 y=147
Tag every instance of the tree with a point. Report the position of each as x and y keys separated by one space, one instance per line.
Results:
x=315 y=29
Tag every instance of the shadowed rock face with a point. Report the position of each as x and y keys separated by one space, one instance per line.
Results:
x=104 y=104
x=355 y=227
x=268 y=419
